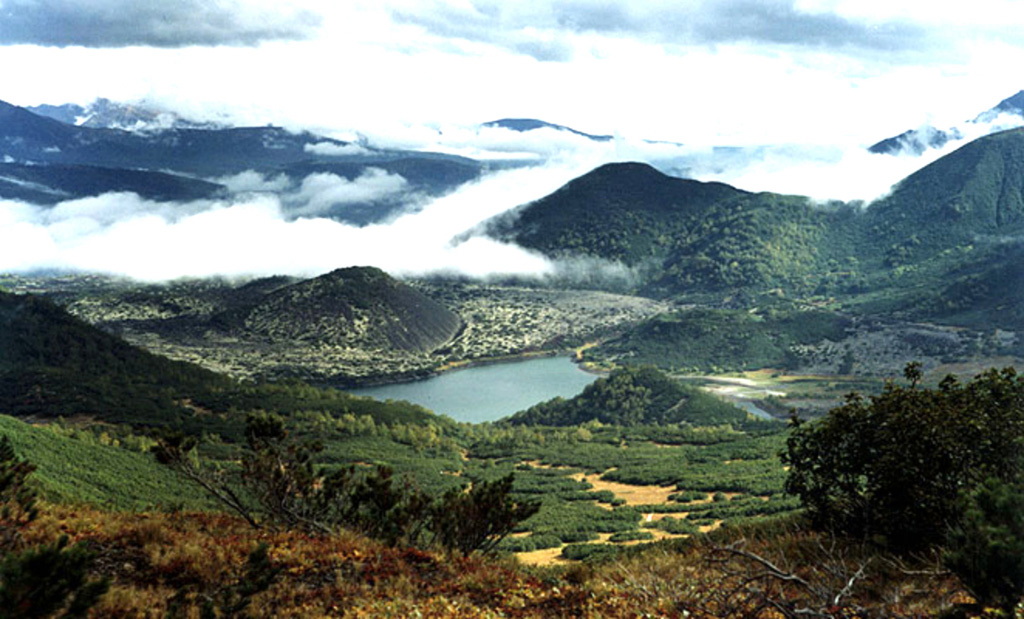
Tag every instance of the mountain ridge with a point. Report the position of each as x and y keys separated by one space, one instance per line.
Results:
x=918 y=141
x=524 y=125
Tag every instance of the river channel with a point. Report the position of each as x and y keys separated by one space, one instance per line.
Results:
x=489 y=392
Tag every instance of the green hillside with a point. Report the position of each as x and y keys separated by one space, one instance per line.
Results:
x=705 y=340
x=74 y=467
x=684 y=235
x=945 y=244
x=52 y=364
x=937 y=248
x=964 y=197
x=633 y=396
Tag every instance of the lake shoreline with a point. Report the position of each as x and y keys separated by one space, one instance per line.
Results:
x=414 y=376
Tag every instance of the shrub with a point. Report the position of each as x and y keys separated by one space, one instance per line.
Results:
x=291 y=493
x=47 y=579
x=480 y=518
x=583 y=552
x=676 y=526
x=41 y=580
x=986 y=550
x=894 y=465
x=631 y=536
x=537 y=541
x=17 y=497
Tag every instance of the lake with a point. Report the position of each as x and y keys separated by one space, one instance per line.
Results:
x=752 y=408
x=489 y=392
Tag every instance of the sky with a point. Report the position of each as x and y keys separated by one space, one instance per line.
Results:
x=723 y=72
x=823 y=77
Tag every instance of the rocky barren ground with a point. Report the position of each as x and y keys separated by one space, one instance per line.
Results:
x=183 y=321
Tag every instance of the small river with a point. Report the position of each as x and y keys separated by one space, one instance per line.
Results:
x=489 y=392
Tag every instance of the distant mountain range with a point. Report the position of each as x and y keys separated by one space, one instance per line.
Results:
x=532 y=124
x=1007 y=114
x=107 y=114
x=46 y=160
x=939 y=247
x=52 y=183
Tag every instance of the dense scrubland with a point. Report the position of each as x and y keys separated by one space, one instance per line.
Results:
x=938 y=534
x=244 y=484
x=640 y=495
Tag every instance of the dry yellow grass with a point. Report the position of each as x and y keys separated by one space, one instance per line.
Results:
x=633 y=495
x=548 y=556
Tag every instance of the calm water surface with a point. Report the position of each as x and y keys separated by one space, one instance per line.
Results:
x=490 y=392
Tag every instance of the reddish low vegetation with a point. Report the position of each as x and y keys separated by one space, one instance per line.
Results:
x=179 y=562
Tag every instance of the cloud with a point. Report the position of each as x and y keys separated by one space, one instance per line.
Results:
x=531 y=27
x=319 y=192
x=256 y=234
x=252 y=181
x=483 y=142
x=122 y=23
x=822 y=172
x=330 y=149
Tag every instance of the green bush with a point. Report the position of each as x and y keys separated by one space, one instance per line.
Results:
x=583 y=552
x=631 y=536
x=676 y=526
x=986 y=550
x=537 y=541
x=895 y=465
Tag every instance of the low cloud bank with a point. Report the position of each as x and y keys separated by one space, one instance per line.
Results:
x=258 y=234
x=330 y=149
x=844 y=173
x=278 y=225
x=323 y=193
x=821 y=171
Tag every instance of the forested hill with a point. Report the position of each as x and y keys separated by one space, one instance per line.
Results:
x=361 y=307
x=633 y=395
x=946 y=244
x=939 y=247
x=976 y=191
x=618 y=211
x=53 y=364
x=684 y=235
